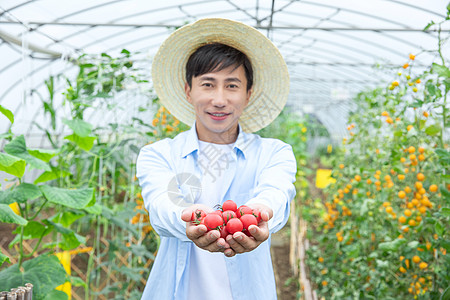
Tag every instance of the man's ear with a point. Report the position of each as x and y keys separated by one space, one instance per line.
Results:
x=249 y=94
x=187 y=90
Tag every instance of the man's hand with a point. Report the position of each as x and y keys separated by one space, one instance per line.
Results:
x=210 y=241
x=240 y=242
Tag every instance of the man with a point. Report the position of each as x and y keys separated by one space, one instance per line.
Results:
x=225 y=79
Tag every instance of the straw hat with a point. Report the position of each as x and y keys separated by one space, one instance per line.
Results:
x=270 y=74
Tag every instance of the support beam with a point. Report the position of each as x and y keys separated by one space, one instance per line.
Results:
x=259 y=27
x=35 y=48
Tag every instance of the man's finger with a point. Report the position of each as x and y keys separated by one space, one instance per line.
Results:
x=229 y=252
x=260 y=233
x=247 y=243
x=265 y=215
x=235 y=244
x=195 y=231
x=207 y=239
x=186 y=215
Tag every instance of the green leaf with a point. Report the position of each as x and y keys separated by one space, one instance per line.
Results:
x=413 y=244
x=382 y=264
x=18 y=148
x=56 y=295
x=441 y=70
x=79 y=127
x=422 y=122
x=7 y=113
x=77 y=199
x=433 y=130
x=446 y=294
x=429 y=25
x=43 y=154
x=34 y=230
x=67 y=218
x=120 y=222
x=96 y=209
x=7 y=215
x=445 y=211
x=445 y=244
x=51 y=175
x=12 y=165
x=431 y=88
x=439 y=229
x=3 y=259
x=365 y=207
x=391 y=246
x=445 y=193
x=398 y=133
x=45 y=272
x=20 y=194
x=354 y=251
x=444 y=156
x=85 y=143
x=70 y=240
x=77 y=281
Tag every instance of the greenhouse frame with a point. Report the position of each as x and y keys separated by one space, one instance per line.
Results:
x=367 y=119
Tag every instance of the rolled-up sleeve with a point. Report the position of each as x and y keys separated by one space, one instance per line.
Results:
x=154 y=172
x=275 y=185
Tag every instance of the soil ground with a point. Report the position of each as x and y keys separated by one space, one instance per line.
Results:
x=286 y=282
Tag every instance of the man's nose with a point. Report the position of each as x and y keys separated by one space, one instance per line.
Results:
x=219 y=98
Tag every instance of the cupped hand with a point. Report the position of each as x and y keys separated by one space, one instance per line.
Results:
x=240 y=243
x=204 y=239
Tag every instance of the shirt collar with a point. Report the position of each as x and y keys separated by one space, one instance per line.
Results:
x=191 y=145
x=242 y=141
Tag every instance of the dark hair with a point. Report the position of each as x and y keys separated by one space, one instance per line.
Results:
x=216 y=57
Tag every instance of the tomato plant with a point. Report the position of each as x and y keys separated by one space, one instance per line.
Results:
x=388 y=212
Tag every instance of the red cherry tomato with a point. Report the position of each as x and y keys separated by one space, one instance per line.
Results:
x=228 y=215
x=234 y=225
x=229 y=205
x=243 y=210
x=248 y=220
x=213 y=221
x=217 y=212
x=223 y=232
x=198 y=215
x=257 y=213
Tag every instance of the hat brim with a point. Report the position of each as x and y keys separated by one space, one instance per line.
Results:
x=270 y=73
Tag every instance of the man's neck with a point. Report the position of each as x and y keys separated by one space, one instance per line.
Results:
x=228 y=137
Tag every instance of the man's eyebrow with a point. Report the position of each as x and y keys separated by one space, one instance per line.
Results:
x=207 y=78
x=230 y=79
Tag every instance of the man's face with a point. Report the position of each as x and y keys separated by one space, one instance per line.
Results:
x=218 y=99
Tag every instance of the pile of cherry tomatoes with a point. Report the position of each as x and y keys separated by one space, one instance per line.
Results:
x=228 y=219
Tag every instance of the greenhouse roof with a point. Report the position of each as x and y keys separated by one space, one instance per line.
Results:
x=333 y=49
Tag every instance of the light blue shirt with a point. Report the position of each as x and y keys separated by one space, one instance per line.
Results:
x=168 y=172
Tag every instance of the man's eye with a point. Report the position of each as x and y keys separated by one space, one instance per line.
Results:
x=233 y=86
x=207 y=84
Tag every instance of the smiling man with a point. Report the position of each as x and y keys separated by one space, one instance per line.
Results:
x=225 y=79
x=218 y=85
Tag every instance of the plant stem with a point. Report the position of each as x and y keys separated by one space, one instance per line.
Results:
x=21 y=254
x=444 y=108
x=37 y=213
x=37 y=245
x=440 y=45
